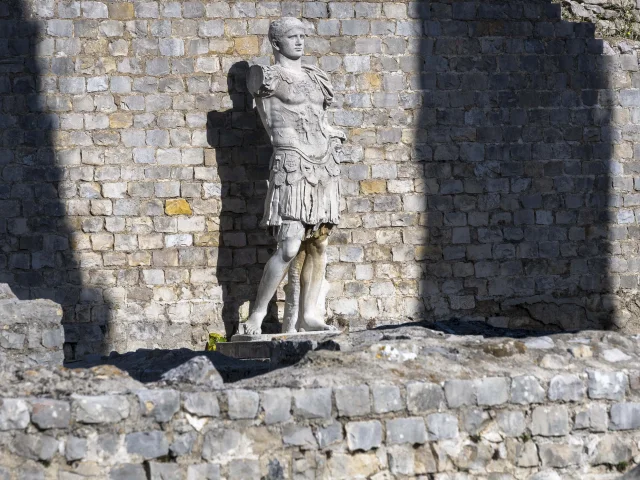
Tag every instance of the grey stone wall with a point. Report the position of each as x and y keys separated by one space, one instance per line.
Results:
x=562 y=408
x=492 y=168
x=30 y=330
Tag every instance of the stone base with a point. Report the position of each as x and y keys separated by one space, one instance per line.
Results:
x=278 y=348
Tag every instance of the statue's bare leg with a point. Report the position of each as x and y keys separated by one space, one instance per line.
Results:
x=313 y=273
x=273 y=274
x=292 y=294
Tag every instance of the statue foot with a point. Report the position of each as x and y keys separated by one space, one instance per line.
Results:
x=316 y=324
x=253 y=324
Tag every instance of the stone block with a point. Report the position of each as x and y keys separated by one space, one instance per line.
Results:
x=100 y=408
x=558 y=455
x=566 y=388
x=406 y=430
x=182 y=444
x=276 y=404
x=164 y=471
x=386 y=398
x=460 y=393
x=511 y=423
x=203 y=471
x=14 y=414
x=76 y=448
x=424 y=397
x=364 y=436
x=353 y=401
x=202 y=404
x=312 y=403
x=607 y=385
x=147 y=444
x=34 y=446
x=612 y=450
x=526 y=389
x=50 y=413
x=329 y=435
x=128 y=471
x=550 y=421
x=298 y=436
x=442 y=426
x=493 y=391
x=625 y=416
x=242 y=403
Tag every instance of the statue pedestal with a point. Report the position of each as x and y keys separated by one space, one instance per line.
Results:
x=278 y=348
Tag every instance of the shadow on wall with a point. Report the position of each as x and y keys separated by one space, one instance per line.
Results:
x=514 y=144
x=35 y=222
x=242 y=150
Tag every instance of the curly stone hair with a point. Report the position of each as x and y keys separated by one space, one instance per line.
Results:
x=281 y=26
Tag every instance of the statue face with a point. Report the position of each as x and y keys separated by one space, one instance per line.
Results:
x=291 y=44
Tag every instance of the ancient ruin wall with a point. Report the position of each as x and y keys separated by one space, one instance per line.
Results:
x=491 y=174
x=559 y=408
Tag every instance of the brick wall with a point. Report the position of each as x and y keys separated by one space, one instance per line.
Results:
x=491 y=170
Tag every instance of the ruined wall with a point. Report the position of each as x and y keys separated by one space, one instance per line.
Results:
x=559 y=408
x=491 y=172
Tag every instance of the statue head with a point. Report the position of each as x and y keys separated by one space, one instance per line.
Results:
x=287 y=37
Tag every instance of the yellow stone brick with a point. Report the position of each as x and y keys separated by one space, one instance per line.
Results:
x=372 y=80
x=373 y=186
x=247 y=45
x=120 y=120
x=121 y=11
x=210 y=239
x=177 y=206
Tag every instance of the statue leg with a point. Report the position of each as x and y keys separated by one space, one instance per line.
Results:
x=292 y=294
x=273 y=274
x=311 y=279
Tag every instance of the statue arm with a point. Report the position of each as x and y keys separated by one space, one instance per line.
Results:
x=262 y=81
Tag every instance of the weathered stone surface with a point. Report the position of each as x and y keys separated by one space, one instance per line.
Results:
x=364 y=435
x=625 y=416
x=353 y=401
x=492 y=391
x=147 y=444
x=386 y=398
x=177 y=206
x=34 y=446
x=312 y=403
x=298 y=436
x=198 y=371
x=607 y=385
x=460 y=393
x=558 y=455
x=203 y=404
x=14 y=414
x=566 y=388
x=159 y=404
x=550 y=421
x=100 y=409
x=182 y=444
x=424 y=397
x=612 y=450
x=50 y=414
x=526 y=389
x=442 y=426
x=276 y=404
x=406 y=430
x=242 y=403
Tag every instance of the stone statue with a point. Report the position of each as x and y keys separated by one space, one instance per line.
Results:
x=303 y=197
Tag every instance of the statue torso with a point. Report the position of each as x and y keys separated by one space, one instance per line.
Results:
x=294 y=113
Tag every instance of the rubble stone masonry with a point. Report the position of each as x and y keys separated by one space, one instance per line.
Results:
x=492 y=166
